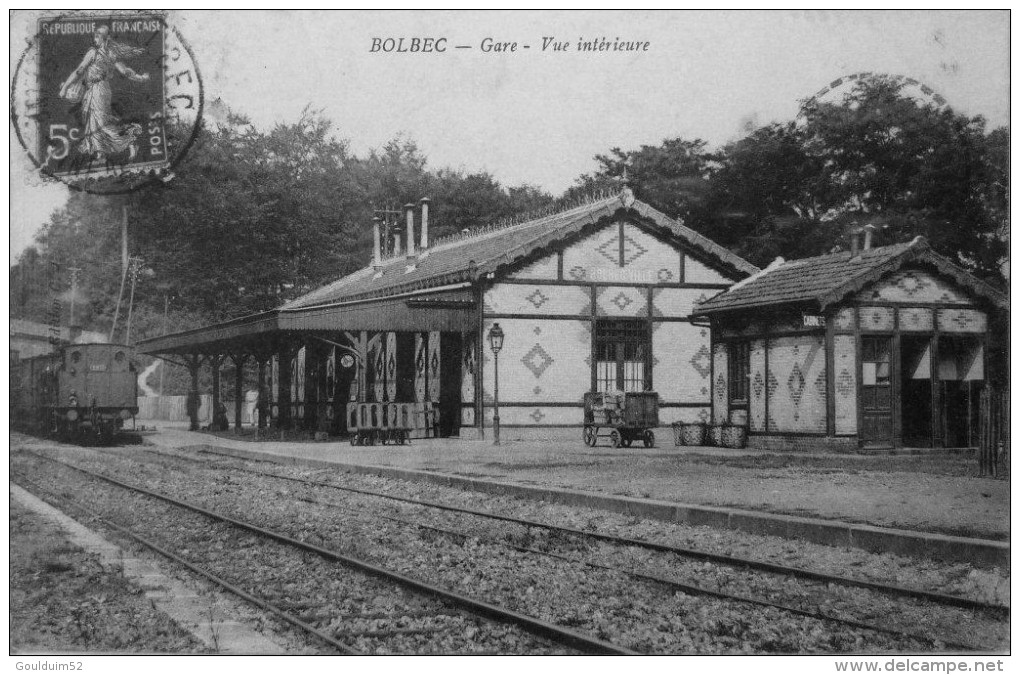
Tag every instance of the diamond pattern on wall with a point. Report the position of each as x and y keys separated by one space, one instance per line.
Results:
x=796 y=383
x=844 y=383
x=537 y=298
x=538 y=416
x=578 y=272
x=820 y=384
x=622 y=300
x=537 y=330
x=537 y=360
x=910 y=283
x=773 y=384
x=537 y=391
x=665 y=275
x=702 y=361
x=632 y=250
x=758 y=384
x=610 y=250
x=703 y=416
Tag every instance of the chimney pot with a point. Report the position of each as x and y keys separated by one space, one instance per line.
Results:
x=869 y=232
x=424 y=223
x=410 y=229
x=854 y=243
x=376 y=245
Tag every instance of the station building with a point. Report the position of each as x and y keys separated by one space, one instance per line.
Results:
x=597 y=297
x=882 y=347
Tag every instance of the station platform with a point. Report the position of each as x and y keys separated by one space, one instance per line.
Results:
x=918 y=505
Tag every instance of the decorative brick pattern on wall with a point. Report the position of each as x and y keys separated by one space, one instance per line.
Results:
x=391 y=366
x=544 y=268
x=377 y=356
x=591 y=253
x=910 y=285
x=542 y=360
x=796 y=384
x=844 y=360
x=962 y=321
x=644 y=252
x=621 y=301
x=844 y=319
x=757 y=390
x=916 y=318
x=434 y=363
x=878 y=318
x=537 y=299
x=678 y=302
x=421 y=365
x=682 y=363
x=696 y=272
x=720 y=386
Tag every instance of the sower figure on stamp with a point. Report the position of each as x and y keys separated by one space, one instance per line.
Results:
x=89 y=86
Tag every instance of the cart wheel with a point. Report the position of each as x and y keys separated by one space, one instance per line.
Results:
x=615 y=438
x=590 y=436
x=649 y=438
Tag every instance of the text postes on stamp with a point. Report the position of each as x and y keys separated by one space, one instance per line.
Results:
x=106 y=103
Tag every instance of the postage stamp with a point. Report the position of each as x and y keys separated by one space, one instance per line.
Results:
x=106 y=103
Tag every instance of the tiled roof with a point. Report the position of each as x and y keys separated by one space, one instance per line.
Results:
x=828 y=279
x=469 y=258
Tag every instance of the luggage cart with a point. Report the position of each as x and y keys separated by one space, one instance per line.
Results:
x=622 y=417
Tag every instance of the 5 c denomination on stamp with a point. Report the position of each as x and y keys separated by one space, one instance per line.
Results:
x=106 y=103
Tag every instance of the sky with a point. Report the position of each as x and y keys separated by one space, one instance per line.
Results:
x=537 y=116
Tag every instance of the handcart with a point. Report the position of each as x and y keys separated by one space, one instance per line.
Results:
x=622 y=417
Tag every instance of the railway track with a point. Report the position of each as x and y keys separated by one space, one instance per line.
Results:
x=829 y=618
x=547 y=633
x=686 y=587
x=892 y=590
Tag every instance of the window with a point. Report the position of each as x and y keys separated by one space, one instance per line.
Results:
x=739 y=372
x=876 y=374
x=622 y=355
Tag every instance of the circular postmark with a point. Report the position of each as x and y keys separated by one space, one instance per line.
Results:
x=908 y=86
x=106 y=103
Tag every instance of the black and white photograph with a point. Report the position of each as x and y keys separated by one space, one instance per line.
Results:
x=472 y=333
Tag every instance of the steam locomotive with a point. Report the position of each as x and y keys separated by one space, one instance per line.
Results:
x=82 y=392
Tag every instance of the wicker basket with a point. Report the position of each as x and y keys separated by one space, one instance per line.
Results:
x=689 y=433
x=734 y=436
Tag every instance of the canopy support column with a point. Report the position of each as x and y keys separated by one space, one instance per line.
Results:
x=239 y=360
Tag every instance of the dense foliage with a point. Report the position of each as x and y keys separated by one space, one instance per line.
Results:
x=257 y=217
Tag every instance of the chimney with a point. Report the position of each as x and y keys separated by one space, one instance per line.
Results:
x=424 y=224
x=854 y=243
x=396 y=243
x=869 y=232
x=410 y=229
x=376 y=245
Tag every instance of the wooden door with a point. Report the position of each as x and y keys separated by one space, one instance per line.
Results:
x=876 y=390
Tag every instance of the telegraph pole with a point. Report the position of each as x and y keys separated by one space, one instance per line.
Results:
x=74 y=293
x=124 y=269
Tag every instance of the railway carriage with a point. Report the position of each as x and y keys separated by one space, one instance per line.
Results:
x=83 y=391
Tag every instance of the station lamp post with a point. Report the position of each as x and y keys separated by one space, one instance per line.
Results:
x=496 y=343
